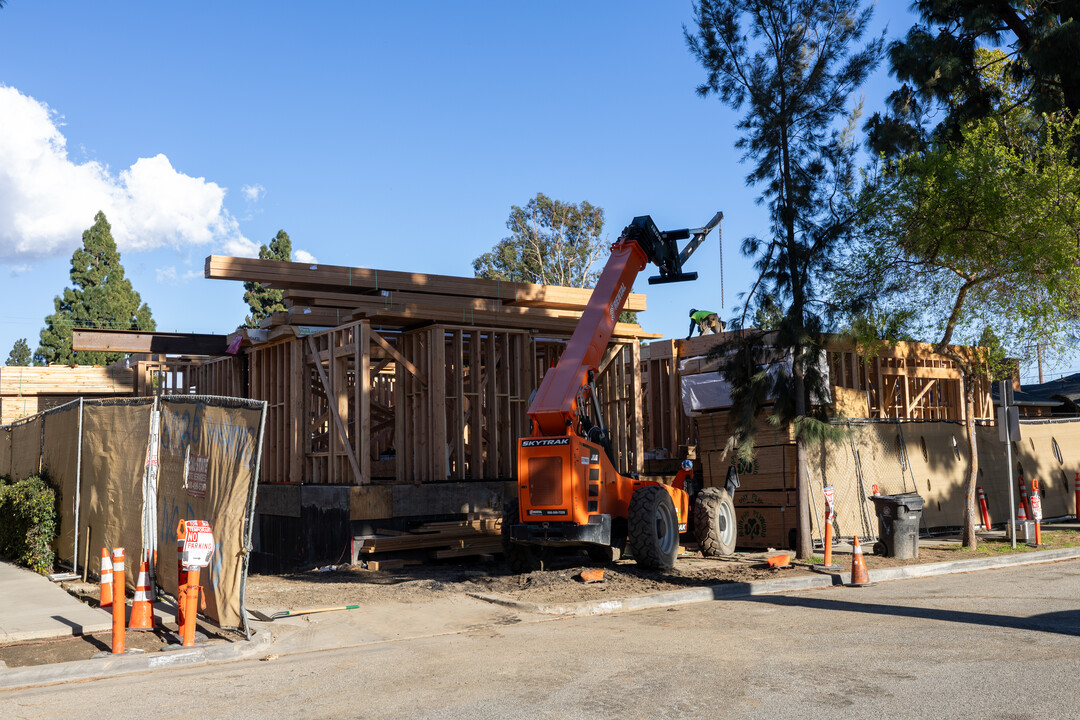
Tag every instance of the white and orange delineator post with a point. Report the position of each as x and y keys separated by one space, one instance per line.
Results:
x=983 y=508
x=1036 y=510
x=119 y=605
x=105 y=592
x=830 y=513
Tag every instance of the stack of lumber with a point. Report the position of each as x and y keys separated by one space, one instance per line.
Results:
x=332 y=295
x=25 y=391
x=441 y=540
x=765 y=503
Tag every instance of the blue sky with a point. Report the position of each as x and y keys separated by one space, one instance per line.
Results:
x=386 y=135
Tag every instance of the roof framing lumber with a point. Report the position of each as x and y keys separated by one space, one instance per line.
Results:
x=342 y=279
x=141 y=341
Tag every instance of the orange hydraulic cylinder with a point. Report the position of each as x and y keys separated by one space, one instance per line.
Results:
x=119 y=604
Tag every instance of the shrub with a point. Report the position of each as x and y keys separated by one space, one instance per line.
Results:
x=28 y=523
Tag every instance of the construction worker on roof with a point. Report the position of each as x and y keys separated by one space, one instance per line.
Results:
x=704 y=320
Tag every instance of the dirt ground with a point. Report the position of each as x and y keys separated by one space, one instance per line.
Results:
x=345 y=585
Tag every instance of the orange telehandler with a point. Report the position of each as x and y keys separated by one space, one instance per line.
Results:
x=569 y=493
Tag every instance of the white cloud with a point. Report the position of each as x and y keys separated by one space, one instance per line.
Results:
x=17 y=270
x=303 y=256
x=252 y=193
x=47 y=199
x=166 y=275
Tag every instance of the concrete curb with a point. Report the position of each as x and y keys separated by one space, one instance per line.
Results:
x=38 y=675
x=732 y=591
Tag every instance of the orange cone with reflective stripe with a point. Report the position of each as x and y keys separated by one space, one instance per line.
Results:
x=859 y=575
x=1021 y=514
x=105 y=595
x=142 y=609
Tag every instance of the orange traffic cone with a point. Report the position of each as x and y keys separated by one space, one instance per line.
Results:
x=142 y=609
x=105 y=596
x=859 y=575
x=1021 y=514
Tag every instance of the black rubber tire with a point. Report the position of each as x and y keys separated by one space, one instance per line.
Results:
x=714 y=522
x=654 y=528
x=520 y=557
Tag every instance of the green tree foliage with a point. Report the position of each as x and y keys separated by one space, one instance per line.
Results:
x=28 y=522
x=940 y=66
x=20 y=354
x=791 y=65
x=101 y=298
x=262 y=300
x=977 y=234
x=550 y=243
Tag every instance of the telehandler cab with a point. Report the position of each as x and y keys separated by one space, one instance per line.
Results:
x=569 y=493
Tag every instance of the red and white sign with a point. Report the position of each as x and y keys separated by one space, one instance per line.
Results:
x=198 y=543
x=1036 y=506
x=830 y=504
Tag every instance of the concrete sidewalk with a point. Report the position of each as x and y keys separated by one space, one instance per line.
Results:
x=35 y=608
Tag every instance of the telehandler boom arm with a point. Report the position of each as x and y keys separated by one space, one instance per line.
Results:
x=554 y=410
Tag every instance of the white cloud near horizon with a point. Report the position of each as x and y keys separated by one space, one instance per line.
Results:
x=48 y=199
x=303 y=256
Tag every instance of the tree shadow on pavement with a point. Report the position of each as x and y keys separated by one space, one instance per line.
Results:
x=1065 y=622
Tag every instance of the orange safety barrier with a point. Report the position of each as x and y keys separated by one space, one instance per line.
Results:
x=119 y=603
x=982 y=508
x=859 y=574
x=142 y=607
x=105 y=593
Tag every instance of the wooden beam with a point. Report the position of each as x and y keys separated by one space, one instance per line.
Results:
x=415 y=371
x=143 y=341
x=351 y=279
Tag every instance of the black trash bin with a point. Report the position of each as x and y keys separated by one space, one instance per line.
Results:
x=898 y=524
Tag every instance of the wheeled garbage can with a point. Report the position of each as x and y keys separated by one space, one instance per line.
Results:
x=898 y=524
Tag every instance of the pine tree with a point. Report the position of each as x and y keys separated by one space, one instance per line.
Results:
x=19 y=355
x=262 y=300
x=791 y=66
x=101 y=298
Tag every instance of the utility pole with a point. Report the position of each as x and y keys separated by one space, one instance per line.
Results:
x=1038 y=352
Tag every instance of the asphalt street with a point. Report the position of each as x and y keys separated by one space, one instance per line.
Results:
x=992 y=644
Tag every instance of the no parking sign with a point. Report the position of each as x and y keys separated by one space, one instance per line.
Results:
x=198 y=544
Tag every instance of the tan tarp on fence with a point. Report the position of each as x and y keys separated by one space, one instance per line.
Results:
x=60 y=460
x=217 y=447
x=26 y=449
x=114 y=444
x=5 y=452
x=936 y=465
